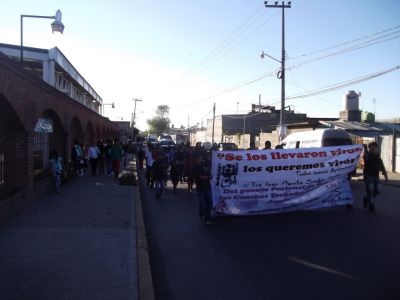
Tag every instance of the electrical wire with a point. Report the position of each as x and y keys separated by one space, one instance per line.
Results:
x=343 y=84
x=307 y=90
x=289 y=67
x=345 y=43
x=224 y=54
x=361 y=46
x=231 y=37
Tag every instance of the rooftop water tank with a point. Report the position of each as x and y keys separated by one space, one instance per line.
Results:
x=350 y=101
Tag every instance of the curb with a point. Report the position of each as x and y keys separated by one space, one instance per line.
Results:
x=382 y=182
x=145 y=281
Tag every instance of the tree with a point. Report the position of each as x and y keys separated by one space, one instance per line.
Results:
x=160 y=122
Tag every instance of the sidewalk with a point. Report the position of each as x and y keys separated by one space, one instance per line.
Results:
x=394 y=178
x=78 y=244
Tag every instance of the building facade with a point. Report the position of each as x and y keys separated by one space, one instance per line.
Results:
x=35 y=119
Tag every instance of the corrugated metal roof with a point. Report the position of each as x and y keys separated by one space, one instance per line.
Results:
x=383 y=128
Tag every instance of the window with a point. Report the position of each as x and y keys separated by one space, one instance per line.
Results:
x=40 y=154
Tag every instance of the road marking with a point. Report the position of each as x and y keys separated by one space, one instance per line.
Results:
x=322 y=268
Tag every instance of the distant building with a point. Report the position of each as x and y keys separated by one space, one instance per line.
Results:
x=54 y=68
x=246 y=130
x=125 y=129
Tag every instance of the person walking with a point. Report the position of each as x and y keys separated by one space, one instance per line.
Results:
x=58 y=168
x=93 y=155
x=202 y=176
x=174 y=175
x=267 y=145
x=373 y=164
x=77 y=158
x=160 y=167
x=180 y=161
x=188 y=168
x=116 y=157
x=149 y=166
x=107 y=157
x=141 y=155
x=101 y=159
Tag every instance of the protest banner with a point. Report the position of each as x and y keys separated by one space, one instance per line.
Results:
x=253 y=182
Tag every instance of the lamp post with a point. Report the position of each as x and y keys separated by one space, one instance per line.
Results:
x=134 y=111
x=56 y=26
x=112 y=106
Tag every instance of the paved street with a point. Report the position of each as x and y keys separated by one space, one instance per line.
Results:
x=82 y=244
x=331 y=253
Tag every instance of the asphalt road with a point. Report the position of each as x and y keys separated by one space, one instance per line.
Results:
x=333 y=253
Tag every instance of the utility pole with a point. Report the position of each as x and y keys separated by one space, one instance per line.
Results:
x=188 y=130
x=213 y=124
x=282 y=72
x=244 y=129
x=134 y=112
x=374 y=101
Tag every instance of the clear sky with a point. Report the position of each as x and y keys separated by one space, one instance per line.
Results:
x=190 y=54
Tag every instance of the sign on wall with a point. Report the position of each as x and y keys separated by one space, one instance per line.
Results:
x=44 y=125
x=281 y=180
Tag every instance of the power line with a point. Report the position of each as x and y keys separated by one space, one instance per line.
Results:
x=217 y=57
x=273 y=72
x=231 y=37
x=307 y=90
x=340 y=85
x=346 y=50
x=345 y=43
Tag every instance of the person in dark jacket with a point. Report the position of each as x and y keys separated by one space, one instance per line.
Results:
x=116 y=153
x=141 y=155
x=372 y=166
x=160 y=167
x=174 y=174
x=202 y=176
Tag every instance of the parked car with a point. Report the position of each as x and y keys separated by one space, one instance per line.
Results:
x=165 y=136
x=166 y=143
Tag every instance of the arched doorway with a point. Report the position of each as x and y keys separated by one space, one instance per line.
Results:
x=13 y=175
x=46 y=141
x=76 y=132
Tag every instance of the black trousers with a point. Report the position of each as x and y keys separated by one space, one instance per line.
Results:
x=93 y=165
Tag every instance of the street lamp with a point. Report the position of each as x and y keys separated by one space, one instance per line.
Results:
x=56 y=26
x=112 y=106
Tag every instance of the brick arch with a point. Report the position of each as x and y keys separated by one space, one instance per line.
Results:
x=76 y=131
x=98 y=133
x=12 y=132
x=58 y=138
x=23 y=99
x=89 y=136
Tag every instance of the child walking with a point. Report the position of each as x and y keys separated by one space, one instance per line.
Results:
x=57 y=167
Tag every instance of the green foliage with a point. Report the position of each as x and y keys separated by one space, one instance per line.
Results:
x=160 y=122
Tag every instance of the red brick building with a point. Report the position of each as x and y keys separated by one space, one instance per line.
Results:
x=26 y=99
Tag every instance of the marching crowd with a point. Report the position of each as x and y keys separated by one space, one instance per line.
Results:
x=182 y=163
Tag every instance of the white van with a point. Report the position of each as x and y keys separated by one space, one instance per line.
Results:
x=317 y=138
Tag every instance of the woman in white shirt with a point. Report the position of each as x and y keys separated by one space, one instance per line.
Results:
x=93 y=154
